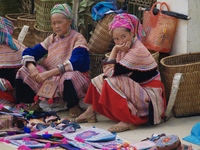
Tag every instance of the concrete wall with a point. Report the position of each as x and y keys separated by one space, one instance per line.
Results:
x=187 y=37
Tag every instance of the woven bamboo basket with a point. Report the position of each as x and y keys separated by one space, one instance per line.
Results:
x=155 y=56
x=188 y=96
x=43 y=8
x=40 y=35
x=95 y=64
x=13 y=17
x=28 y=20
x=101 y=38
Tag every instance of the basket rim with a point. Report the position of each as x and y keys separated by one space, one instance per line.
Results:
x=22 y=17
x=178 y=55
x=15 y=14
x=35 y=27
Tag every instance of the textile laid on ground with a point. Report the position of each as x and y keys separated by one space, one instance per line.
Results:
x=47 y=130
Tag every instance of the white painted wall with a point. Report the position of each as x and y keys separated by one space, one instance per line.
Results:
x=187 y=37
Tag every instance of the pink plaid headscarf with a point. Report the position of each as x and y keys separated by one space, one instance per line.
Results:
x=128 y=21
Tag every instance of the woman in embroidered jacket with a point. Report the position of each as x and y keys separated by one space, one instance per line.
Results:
x=130 y=90
x=65 y=60
x=10 y=61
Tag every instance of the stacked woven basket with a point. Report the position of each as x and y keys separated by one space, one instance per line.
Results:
x=13 y=17
x=28 y=20
x=99 y=44
x=19 y=20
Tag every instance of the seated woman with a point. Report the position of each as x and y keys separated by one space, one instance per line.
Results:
x=65 y=59
x=130 y=90
x=10 y=61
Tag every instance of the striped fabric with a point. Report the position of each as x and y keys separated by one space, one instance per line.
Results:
x=61 y=49
x=138 y=58
x=10 y=58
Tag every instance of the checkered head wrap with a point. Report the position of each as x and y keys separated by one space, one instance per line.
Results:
x=64 y=9
x=129 y=21
x=6 y=31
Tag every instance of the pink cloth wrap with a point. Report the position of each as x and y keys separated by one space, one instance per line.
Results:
x=128 y=21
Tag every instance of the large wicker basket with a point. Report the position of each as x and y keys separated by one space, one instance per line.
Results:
x=187 y=101
x=13 y=17
x=28 y=20
x=43 y=8
x=40 y=35
x=100 y=40
x=95 y=64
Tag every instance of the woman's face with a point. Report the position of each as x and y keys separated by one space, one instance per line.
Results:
x=121 y=36
x=60 y=24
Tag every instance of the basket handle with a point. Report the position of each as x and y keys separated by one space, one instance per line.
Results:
x=163 y=3
x=153 y=6
x=154 y=18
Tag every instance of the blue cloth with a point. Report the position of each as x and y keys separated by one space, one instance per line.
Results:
x=37 y=52
x=99 y=10
x=80 y=59
x=194 y=137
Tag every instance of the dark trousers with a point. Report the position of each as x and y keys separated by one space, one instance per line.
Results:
x=8 y=74
x=25 y=94
x=69 y=94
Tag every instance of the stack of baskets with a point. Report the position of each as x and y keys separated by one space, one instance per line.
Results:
x=187 y=102
x=42 y=28
x=28 y=20
x=99 y=44
x=13 y=17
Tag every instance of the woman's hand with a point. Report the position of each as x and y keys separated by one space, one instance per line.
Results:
x=41 y=77
x=33 y=71
x=124 y=47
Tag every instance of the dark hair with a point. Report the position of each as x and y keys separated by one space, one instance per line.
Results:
x=128 y=30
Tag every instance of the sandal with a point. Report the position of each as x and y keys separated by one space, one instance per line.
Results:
x=91 y=119
x=75 y=111
x=117 y=128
